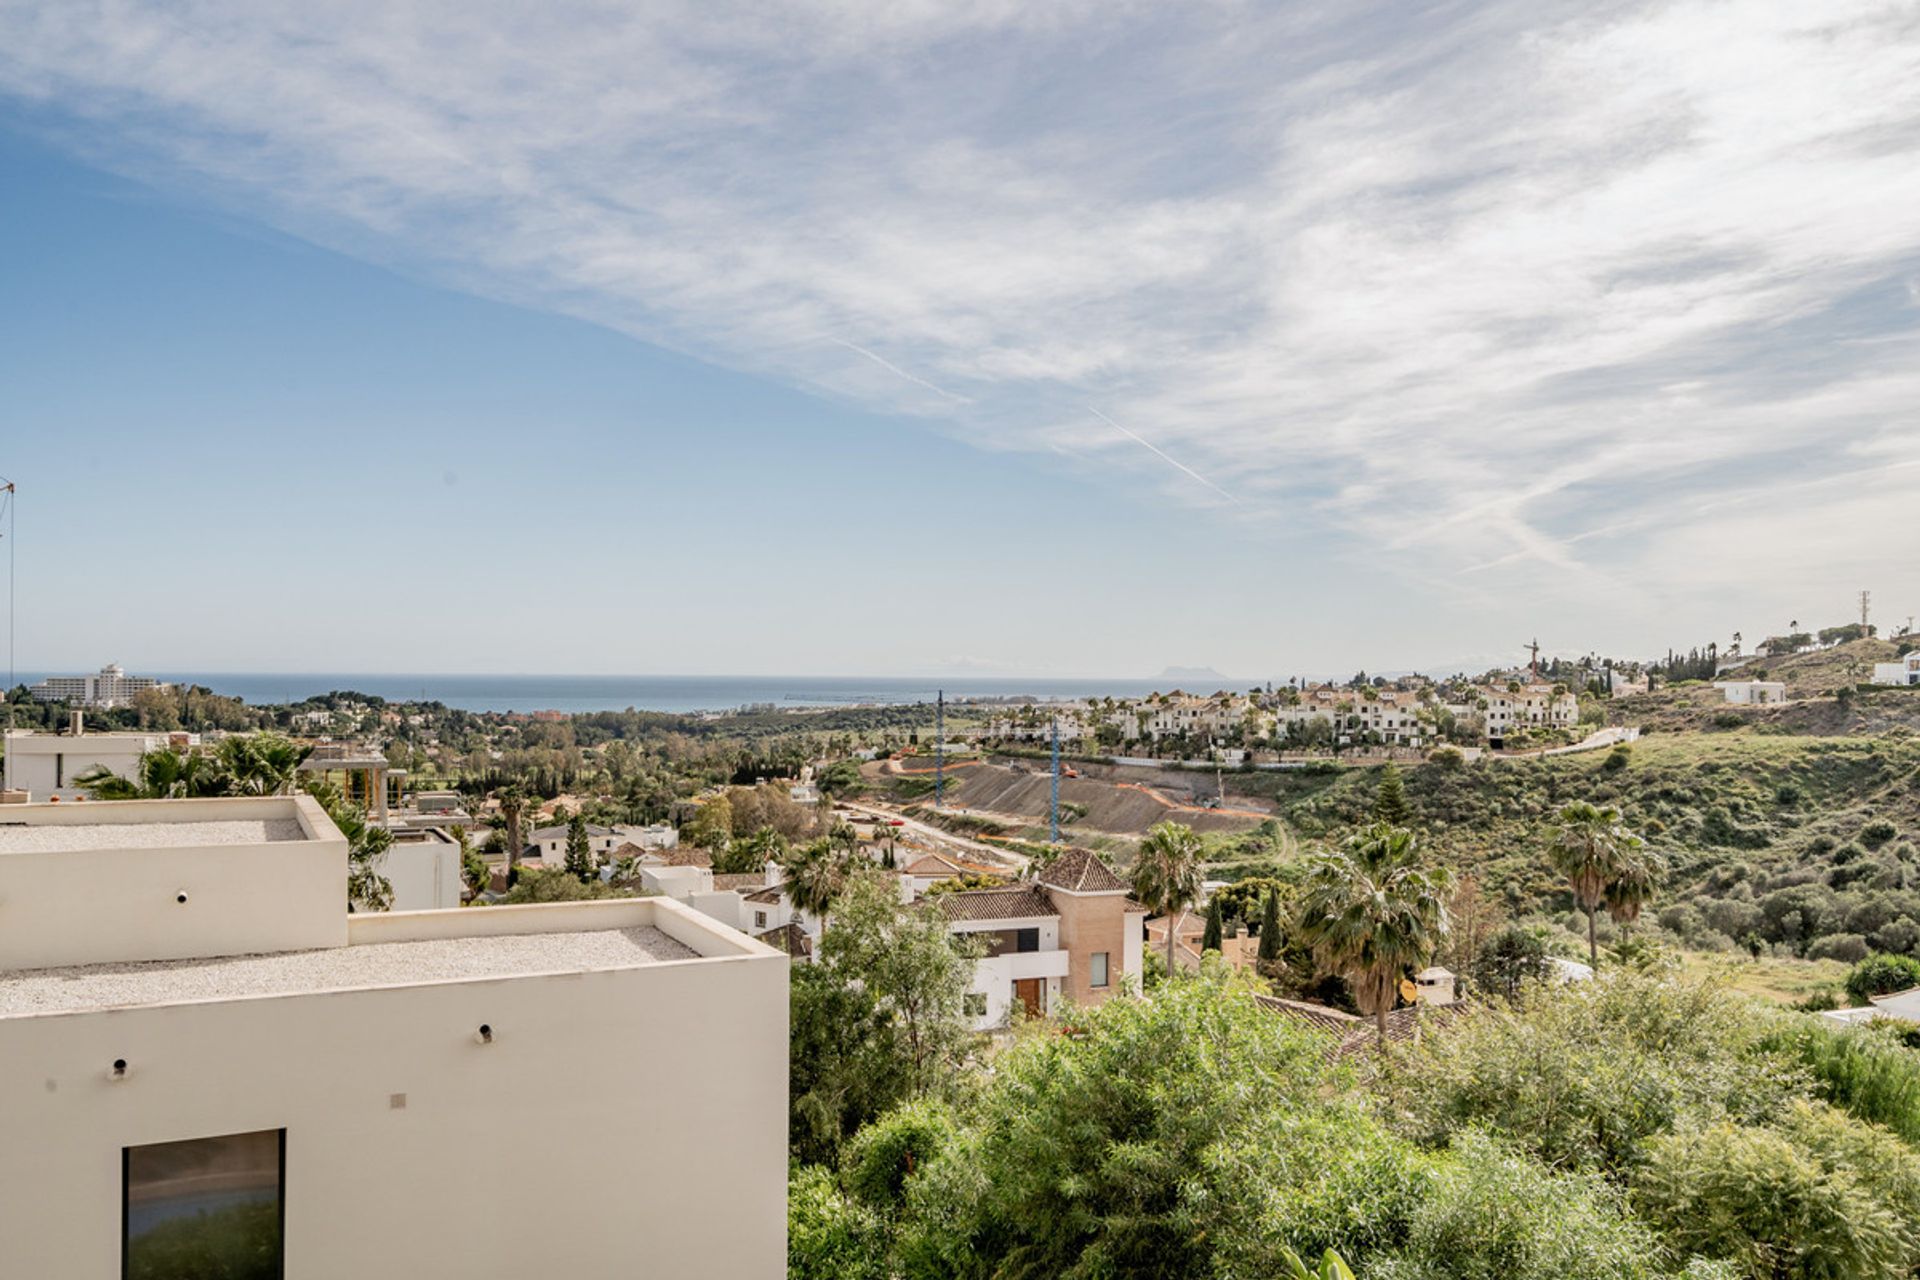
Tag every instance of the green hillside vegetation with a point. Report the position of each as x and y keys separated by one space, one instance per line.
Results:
x=1804 y=844
x=1626 y=1129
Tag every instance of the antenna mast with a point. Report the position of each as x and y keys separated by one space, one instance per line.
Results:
x=1056 y=779
x=939 y=746
x=1866 y=599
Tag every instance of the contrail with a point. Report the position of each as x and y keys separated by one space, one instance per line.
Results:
x=1172 y=462
x=890 y=367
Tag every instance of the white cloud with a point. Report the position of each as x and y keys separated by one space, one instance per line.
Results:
x=1532 y=295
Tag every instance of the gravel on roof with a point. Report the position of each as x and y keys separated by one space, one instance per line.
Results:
x=36 y=837
x=107 y=986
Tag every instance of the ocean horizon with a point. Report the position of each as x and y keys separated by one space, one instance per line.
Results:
x=578 y=693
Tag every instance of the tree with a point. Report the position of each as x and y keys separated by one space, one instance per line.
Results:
x=1593 y=850
x=1372 y=913
x=878 y=1019
x=1269 y=953
x=473 y=868
x=513 y=809
x=1210 y=940
x=815 y=873
x=1166 y=875
x=164 y=774
x=1390 y=798
x=751 y=852
x=1510 y=959
x=260 y=764
x=712 y=823
x=579 y=850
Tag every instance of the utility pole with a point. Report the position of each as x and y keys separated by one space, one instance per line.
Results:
x=1866 y=599
x=939 y=746
x=1056 y=779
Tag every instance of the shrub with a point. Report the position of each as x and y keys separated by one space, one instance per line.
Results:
x=1877 y=833
x=1448 y=758
x=830 y=1236
x=1849 y=948
x=1822 y=1197
x=1618 y=758
x=1879 y=974
x=1865 y=1071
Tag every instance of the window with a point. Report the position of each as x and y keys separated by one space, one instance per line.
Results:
x=1026 y=940
x=759 y=919
x=208 y=1206
x=975 y=1004
x=1098 y=978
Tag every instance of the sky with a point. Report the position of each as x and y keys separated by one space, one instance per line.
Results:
x=1071 y=337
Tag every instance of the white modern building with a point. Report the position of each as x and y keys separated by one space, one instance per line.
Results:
x=1904 y=671
x=45 y=764
x=202 y=1052
x=423 y=866
x=1752 y=693
x=111 y=686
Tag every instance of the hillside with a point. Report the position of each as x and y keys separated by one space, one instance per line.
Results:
x=1789 y=838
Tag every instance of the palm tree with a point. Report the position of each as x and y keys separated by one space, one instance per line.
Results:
x=513 y=808
x=1632 y=888
x=165 y=774
x=1594 y=850
x=1372 y=913
x=1166 y=875
x=816 y=872
x=261 y=764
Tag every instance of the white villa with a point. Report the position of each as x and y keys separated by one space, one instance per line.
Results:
x=1752 y=693
x=1904 y=671
x=201 y=1045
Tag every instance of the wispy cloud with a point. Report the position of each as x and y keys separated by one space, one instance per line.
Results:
x=1539 y=291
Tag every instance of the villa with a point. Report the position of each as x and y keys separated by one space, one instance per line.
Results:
x=205 y=1053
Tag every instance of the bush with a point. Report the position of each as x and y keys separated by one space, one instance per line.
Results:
x=829 y=1236
x=1849 y=948
x=1880 y=974
x=1865 y=1071
x=1618 y=758
x=1823 y=1197
x=1877 y=833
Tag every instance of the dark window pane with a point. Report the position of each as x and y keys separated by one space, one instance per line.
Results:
x=1029 y=940
x=205 y=1209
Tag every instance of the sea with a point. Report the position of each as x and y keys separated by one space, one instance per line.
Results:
x=574 y=693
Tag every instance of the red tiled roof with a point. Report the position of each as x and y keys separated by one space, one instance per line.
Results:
x=1013 y=902
x=1082 y=871
x=772 y=893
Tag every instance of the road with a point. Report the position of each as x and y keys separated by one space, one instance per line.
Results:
x=945 y=841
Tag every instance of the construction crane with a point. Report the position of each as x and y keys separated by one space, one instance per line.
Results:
x=1533 y=667
x=1055 y=825
x=6 y=512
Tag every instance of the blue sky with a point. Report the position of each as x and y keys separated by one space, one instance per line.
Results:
x=921 y=338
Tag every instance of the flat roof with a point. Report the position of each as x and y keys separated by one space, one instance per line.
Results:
x=142 y=833
x=76 y=988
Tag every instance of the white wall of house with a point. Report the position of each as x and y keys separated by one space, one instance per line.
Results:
x=423 y=866
x=401 y=1125
x=1905 y=671
x=96 y=905
x=46 y=763
x=994 y=976
x=1752 y=693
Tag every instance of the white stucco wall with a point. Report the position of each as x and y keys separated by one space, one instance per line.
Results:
x=459 y=1180
x=43 y=763
x=425 y=874
x=93 y=906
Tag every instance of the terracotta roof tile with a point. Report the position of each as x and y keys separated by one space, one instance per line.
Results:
x=739 y=882
x=1011 y=903
x=790 y=938
x=1082 y=871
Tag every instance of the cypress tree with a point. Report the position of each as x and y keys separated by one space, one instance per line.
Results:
x=1210 y=940
x=1270 y=930
x=1390 y=798
x=579 y=853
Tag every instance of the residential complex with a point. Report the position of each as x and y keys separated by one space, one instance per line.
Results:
x=205 y=1052
x=111 y=686
x=1293 y=717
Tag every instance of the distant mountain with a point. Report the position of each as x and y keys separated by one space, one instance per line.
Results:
x=1196 y=675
